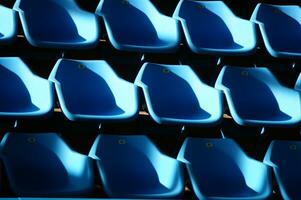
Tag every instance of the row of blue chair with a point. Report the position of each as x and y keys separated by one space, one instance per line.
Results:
x=133 y=167
x=174 y=94
x=210 y=27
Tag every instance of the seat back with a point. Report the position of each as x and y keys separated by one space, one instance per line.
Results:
x=42 y=164
x=281 y=26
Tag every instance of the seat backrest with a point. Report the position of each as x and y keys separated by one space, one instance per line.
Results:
x=284 y=157
x=231 y=173
x=170 y=89
x=48 y=165
x=42 y=17
x=281 y=25
x=251 y=91
x=209 y=23
x=133 y=165
x=23 y=91
x=131 y=20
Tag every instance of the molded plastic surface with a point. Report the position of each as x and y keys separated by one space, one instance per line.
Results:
x=280 y=27
x=175 y=95
x=64 y=199
x=255 y=97
x=219 y=169
x=42 y=164
x=298 y=83
x=57 y=24
x=136 y=25
x=285 y=158
x=210 y=27
x=23 y=94
x=91 y=90
x=132 y=167
x=8 y=27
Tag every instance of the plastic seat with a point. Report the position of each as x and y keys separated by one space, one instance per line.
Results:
x=175 y=95
x=57 y=24
x=219 y=169
x=255 y=97
x=132 y=167
x=91 y=90
x=42 y=164
x=210 y=27
x=8 y=28
x=23 y=94
x=136 y=25
x=285 y=159
x=280 y=27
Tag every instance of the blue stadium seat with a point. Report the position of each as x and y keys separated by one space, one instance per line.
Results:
x=91 y=90
x=23 y=94
x=132 y=167
x=219 y=169
x=285 y=159
x=136 y=25
x=42 y=164
x=8 y=27
x=280 y=27
x=255 y=97
x=210 y=27
x=175 y=95
x=57 y=24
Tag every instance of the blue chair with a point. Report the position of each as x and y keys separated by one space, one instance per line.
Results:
x=8 y=27
x=132 y=167
x=255 y=97
x=91 y=90
x=219 y=169
x=280 y=27
x=175 y=95
x=285 y=159
x=57 y=24
x=210 y=27
x=136 y=25
x=43 y=164
x=23 y=94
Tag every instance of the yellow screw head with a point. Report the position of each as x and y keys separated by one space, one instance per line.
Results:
x=31 y=140
x=209 y=145
x=81 y=66
x=201 y=6
x=165 y=71
x=244 y=73
x=126 y=2
x=121 y=141
x=293 y=147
